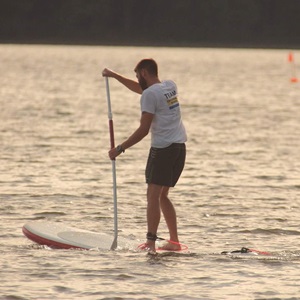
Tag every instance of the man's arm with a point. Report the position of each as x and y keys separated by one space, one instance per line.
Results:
x=129 y=83
x=137 y=136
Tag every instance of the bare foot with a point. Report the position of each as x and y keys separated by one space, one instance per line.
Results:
x=170 y=247
x=148 y=246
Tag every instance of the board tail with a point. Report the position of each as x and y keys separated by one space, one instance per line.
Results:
x=245 y=250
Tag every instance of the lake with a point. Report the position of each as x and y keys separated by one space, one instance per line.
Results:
x=240 y=186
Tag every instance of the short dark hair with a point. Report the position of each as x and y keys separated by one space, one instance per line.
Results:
x=149 y=64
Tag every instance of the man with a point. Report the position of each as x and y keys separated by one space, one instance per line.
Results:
x=160 y=114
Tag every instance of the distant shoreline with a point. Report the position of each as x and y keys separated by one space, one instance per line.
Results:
x=159 y=45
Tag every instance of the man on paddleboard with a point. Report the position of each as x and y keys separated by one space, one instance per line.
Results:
x=160 y=114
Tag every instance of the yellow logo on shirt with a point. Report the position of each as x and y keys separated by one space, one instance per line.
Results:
x=173 y=103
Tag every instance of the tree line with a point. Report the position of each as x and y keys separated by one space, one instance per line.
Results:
x=230 y=23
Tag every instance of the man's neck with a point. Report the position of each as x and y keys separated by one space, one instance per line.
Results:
x=152 y=81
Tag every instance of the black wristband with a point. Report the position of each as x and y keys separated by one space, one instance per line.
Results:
x=120 y=149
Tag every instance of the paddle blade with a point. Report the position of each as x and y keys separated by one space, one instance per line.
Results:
x=114 y=245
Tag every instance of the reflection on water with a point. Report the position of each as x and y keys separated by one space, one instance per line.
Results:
x=240 y=186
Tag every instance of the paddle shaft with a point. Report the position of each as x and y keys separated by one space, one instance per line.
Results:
x=113 y=161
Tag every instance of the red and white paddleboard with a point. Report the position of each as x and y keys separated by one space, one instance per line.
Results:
x=59 y=236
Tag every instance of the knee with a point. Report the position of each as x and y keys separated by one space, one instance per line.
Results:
x=164 y=197
x=164 y=193
x=153 y=192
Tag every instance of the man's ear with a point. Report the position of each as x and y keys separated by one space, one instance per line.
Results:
x=144 y=72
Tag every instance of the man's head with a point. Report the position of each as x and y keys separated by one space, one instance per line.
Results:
x=146 y=71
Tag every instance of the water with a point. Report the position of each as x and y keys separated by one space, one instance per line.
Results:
x=240 y=187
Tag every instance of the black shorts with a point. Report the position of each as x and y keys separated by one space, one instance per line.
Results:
x=164 y=165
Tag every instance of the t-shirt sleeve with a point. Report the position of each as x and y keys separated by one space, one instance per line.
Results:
x=148 y=102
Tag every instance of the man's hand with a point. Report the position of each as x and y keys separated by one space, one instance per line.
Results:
x=113 y=153
x=108 y=73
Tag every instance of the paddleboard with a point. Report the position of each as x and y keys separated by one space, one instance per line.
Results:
x=59 y=236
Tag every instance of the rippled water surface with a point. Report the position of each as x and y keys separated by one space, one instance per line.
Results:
x=240 y=187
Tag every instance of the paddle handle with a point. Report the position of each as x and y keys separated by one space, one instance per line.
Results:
x=112 y=145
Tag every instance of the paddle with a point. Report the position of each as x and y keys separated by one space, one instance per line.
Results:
x=113 y=161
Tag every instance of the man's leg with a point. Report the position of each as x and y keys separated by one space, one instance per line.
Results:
x=153 y=211
x=170 y=217
x=169 y=214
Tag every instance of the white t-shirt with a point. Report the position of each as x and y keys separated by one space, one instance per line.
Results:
x=161 y=100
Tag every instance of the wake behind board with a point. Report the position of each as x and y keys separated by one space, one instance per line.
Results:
x=246 y=251
x=59 y=236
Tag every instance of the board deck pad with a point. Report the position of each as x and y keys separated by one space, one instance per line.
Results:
x=58 y=235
